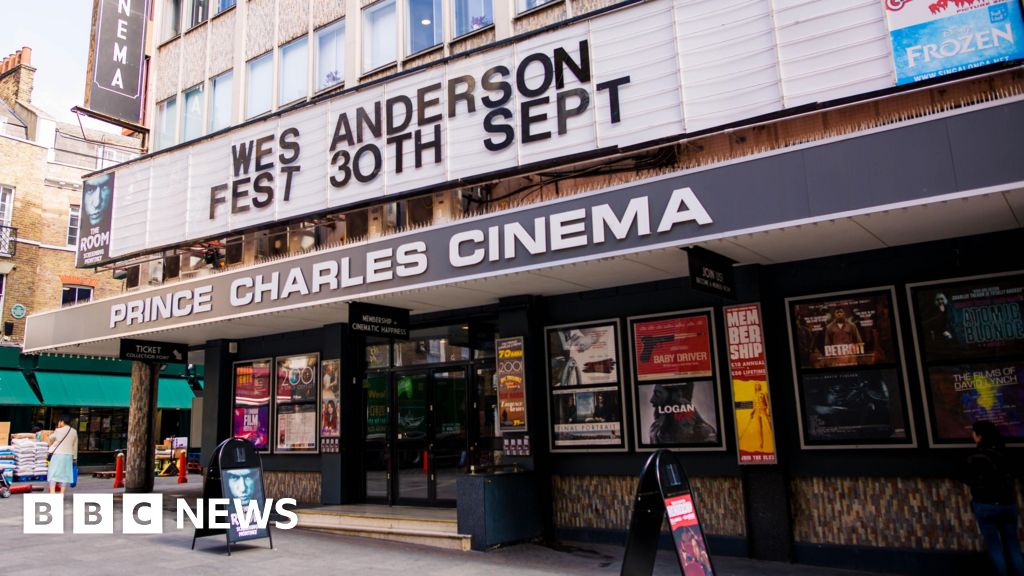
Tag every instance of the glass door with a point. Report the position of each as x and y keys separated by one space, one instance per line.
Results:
x=449 y=449
x=413 y=434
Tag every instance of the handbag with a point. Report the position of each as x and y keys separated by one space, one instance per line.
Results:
x=49 y=455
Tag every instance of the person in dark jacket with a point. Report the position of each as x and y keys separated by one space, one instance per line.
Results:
x=994 y=498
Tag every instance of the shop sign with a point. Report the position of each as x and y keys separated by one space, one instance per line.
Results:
x=116 y=86
x=378 y=320
x=932 y=39
x=748 y=372
x=149 y=351
x=511 y=375
x=711 y=272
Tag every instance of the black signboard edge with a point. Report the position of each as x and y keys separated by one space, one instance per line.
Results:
x=716 y=382
x=275 y=405
x=405 y=312
x=623 y=445
x=526 y=424
x=890 y=291
x=912 y=288
x=270 y=402
x=712 y=257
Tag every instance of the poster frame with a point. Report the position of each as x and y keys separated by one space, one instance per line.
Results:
x=617 y=326
x=315 y=402
x=320 y=399
x=716 y=381
x=901 y=370
x=526 y=419
x=270 y=402
x=922 y=375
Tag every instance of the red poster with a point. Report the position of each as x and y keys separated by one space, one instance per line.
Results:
x=748 y=371
x=677 y=347
x=689 y=541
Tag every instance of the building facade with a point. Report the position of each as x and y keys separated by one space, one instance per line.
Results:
x=523 y=178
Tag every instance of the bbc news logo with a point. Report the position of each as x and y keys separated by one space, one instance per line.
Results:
x=144 y=514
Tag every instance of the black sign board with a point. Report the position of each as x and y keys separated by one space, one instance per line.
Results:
x=665 y=490
x=377 y=320
x=235 y=472
x=149 y=351
x=711 y=272
x=116 y=86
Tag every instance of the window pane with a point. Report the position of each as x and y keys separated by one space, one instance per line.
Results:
x=525 y=5
x=294 y=70
x=379 y=38
x=172 y=18
x=223 y=5
x=73 y=220
x=424 y=24
x=220 y=101
x=166 y=122
x=259 y=87
x=6 y=196
x=330 y=56
x=472 y=15
x=193 y=127
x=197 y=14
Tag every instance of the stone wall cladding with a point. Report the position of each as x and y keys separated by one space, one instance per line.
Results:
x=303 y=486
x=194 y=45
x=294 y=19
x=259 y=33
x=548 y=14
x=327 y=12
x=222 y=42
x=168 y=60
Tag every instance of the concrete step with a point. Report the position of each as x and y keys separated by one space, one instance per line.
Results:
x=446 y=539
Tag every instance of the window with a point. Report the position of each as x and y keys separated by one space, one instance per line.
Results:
x=294 y=73
x=223 y=5
x=379 y=39
x=472 y=15
x=193 y=114
x=6 y=214
x=197 y=13
x=220 y=101
x=259 y=85
x=425 y=26
x=330 y=55
x=75 y=294
x=109 y=156
x=75 y=215
x=172 y=19
x=525 y=5
x=166 y=123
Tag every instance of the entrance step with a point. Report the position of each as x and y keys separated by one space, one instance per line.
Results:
x=435 y=527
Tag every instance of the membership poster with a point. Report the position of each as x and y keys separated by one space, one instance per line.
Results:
x=583 y=356
x=591 y=417
x=965 y=393
x=511 y=375
x=678 y=413
x=855 y=406
x=748 y=372
x=848 y=330
x=674 y=347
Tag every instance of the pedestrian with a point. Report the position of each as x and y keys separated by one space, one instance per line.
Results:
x=63 y=455
x=994 y=498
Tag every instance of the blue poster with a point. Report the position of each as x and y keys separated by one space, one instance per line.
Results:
x=955 y=35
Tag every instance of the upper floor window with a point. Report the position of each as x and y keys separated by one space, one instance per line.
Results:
x=74 y=220
x=223 y=5
x=196 y=13
x=193 y=114
x=330 y=55
x=379 y=38
x=171 y=19
x=524 y=5
x=110 y=156
x=6 y=205
x=294 y=75
x=75 y=294
x=259 y=86
x=166 y=123
x=472 y=15
x=424 y=24
x=220 y=101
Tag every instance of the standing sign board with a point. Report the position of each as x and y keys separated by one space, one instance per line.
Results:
x=748 y=371
x=235 y=472
x=664 y=490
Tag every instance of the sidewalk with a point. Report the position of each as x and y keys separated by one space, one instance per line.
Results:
x=308 y=553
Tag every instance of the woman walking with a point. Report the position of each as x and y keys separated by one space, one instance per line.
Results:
x=63 y=455
x=994 y=498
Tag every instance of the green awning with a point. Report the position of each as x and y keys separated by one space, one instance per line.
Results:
x=106 y=390
x=15 y=391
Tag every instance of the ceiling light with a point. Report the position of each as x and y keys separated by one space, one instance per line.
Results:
x=425 y=21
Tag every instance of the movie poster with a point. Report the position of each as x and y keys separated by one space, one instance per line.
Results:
x=252 y=383
x=847 y=330
x=675 y=347
x=970 y=320
x=330 y=393
x=858 y=406
x=94 y=227
x=296 y=378
x=691 y=548
x=511 y=377
x=932 y=38
x=965 y=393
x=253 y=424
x=591 y=417
x=748 y=373
x=678 y=413
x=246 y=486
x=583 y=356
x=296 y=428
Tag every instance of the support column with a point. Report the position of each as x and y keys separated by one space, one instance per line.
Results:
x=216 y=416
x=141 y=428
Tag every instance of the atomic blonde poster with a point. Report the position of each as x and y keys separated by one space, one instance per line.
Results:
x=748 y=371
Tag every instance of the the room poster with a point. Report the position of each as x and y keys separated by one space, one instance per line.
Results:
x=748 y=373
